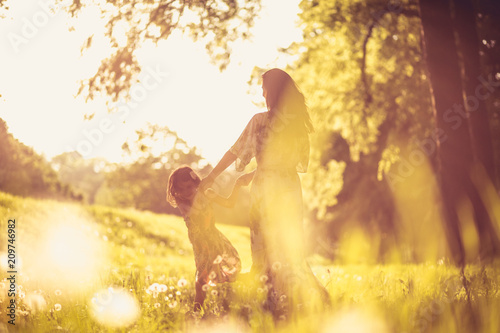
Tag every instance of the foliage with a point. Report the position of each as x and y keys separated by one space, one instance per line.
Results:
x=131 y=23
x=85 y=175
x=24 y=172
x=143 y=181
x=142 y=248
x=368 y=101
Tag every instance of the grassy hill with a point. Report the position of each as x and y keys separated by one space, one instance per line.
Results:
x=100 y=269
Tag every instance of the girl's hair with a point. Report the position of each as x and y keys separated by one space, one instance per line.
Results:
x=285 y=100
x=181 y=174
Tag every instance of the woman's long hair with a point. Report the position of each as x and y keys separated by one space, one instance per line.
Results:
x=285 y=101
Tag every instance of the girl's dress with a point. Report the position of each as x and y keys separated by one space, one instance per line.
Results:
x=276 y=213
x=215 y=257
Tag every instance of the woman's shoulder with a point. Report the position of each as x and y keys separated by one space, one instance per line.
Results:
x=260 y=116
x=258 y=119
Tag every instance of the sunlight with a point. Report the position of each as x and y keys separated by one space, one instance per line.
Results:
x=67 y=255
x=69 y=249
x=355 y=321
x=114 y=308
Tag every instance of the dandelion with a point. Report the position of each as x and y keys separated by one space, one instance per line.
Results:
x=178 y=293
x=282 y=298
x=172 y=305
x=154 y=287
x=58 y=292
x=264 y=278
x=105 y=238
x=57 y=307
x=170 y=295
x=130 y=224
x=166 y=298
x=276 y=266
x=205 y=287
x=157 y=305
x=214 y=292
x=182 y=283
x=163 y=288
x=212 y=275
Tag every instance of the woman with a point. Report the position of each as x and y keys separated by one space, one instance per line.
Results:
x=279 y=140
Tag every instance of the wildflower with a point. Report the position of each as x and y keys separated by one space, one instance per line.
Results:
x=178 y=293
x=57 y=307
x=57 y=292
x=282 y=298
x=205 y=287
x=276 y=266
x=264 y=278
x=214 y=292
x=172 y=305
x=163 y=288
x=157 y=305
x=182 y=283
x=154 y=287
x=166 y=298
x=170 y=295
x=212 y=275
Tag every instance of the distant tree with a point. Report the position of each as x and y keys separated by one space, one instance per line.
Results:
x=84 y=175
x=24 y=172
x=141 y=183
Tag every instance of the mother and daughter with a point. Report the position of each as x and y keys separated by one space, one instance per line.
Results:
x=279 y=140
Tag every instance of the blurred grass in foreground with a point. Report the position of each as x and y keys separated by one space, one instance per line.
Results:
x=99 y=269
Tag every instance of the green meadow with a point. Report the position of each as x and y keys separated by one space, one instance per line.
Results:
x=98 y=269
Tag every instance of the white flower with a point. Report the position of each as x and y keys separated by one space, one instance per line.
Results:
x=182 y=283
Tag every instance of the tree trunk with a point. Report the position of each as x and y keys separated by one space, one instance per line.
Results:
x=454 y=148
x=477 y=115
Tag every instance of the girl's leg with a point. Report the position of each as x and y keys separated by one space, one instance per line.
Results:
x=199 y=297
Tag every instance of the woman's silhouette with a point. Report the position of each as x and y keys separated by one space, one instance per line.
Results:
x=279 y=140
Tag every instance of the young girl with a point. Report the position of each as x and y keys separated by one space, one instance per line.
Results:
x=215 y=257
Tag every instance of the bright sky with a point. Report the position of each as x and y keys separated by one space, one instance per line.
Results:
x=41 y=65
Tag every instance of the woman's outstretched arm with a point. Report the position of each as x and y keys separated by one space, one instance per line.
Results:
x=230 y=201
x=223 y=164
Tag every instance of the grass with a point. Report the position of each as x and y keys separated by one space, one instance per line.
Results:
x=77 y=263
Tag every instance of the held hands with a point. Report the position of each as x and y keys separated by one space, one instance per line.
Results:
x=210 y=193
x=206 y=182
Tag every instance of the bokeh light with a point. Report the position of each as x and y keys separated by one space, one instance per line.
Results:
x=114 y=308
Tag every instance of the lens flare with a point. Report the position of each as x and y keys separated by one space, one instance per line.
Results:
x=355 y=321
x=114 y=308
x=65 y=255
